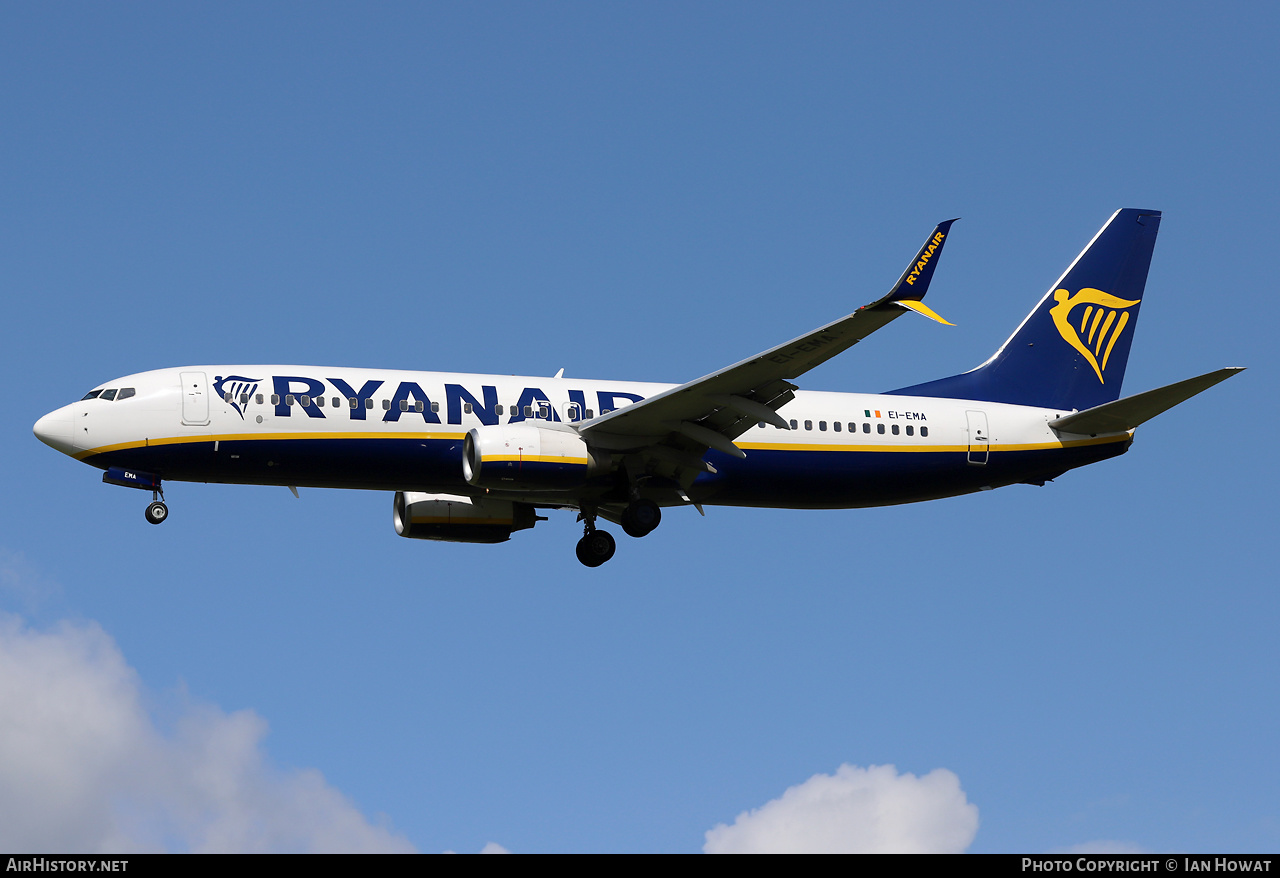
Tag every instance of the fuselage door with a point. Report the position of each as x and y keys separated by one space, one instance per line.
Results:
x=195 y=398
x=979 y=438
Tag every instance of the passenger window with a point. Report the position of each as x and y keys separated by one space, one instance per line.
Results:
x=498 y=409
x=306 y=401
x=911 y=431
x=895 y=429
x=466 y=407
x=404 y=405
x=760 y=425
x=822 y=426
x=227 y=397
x=835 y=425
x=337 y=401
x=275 y=399
x=544 y=413
x=288 y=399
x=435 y=407
x=866 y=428
x=880 y=429
x=528 y=411
x=793 y=423
x=386 y=405
x=319 y=401
x=853 y=428
x=125 y=393
x=924 y=431
x=419 y=407
x=244 y=399
x=572 y=412
x=258 y=399
x=354 y=403
x=108 y=394
x=92 y=394
x=590 y=414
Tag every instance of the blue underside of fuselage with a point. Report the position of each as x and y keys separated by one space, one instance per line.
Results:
x=775 y=477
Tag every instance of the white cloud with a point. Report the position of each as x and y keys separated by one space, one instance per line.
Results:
x=856 y=810
x=19 y=579
x=491 y=848
x=84 y=768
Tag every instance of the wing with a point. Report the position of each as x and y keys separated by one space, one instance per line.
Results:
x=677 y=426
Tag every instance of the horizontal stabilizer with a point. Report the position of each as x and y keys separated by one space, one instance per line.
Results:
x=1125 y=414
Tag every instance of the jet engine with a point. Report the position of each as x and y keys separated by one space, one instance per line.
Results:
x=456 y=519
x=526 y=457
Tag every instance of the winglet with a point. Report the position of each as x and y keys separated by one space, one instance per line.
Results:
x=914 y=282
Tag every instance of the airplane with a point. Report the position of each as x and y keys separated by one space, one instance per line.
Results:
x=475 y=458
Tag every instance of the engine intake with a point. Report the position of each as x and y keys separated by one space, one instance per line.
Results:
x=525 y=457
x=455 y=519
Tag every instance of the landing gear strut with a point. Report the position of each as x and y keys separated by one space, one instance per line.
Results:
x=641 y=517
x=596 y=546
x=157 y=512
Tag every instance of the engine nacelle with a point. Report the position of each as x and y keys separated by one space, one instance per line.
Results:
x=525 y=457
x=456 y=519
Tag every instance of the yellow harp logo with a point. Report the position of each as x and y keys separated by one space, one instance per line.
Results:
x=1099 y=330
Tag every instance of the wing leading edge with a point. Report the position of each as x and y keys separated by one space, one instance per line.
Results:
x=677 y=426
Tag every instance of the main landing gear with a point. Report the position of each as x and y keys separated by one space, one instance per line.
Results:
x=157 y=512
x=641 y=517
x=597 y=546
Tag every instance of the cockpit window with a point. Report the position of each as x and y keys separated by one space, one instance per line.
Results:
x=90 y=395
x=125 y=393
x=108 y=394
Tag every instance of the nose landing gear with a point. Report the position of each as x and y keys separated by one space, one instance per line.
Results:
x=131 y=478
x=156 y=511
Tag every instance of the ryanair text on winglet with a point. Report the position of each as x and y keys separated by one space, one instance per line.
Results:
x=925 y=255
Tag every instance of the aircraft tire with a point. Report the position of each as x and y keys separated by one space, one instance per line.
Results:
x=596 y=547
x=157 y=512
x=640 y=518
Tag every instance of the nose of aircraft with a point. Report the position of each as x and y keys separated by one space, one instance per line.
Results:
x=55 y=430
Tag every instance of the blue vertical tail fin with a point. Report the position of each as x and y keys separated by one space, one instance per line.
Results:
x=1071 y=351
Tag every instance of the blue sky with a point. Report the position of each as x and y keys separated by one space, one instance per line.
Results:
x=650 y=192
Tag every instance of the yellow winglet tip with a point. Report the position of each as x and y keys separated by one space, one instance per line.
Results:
x=921 y=308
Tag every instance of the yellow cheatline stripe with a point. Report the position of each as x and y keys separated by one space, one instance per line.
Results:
x=892 y=448
x=256 y=437
x=536 y=458
x=447 y=520
x=582 y=461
